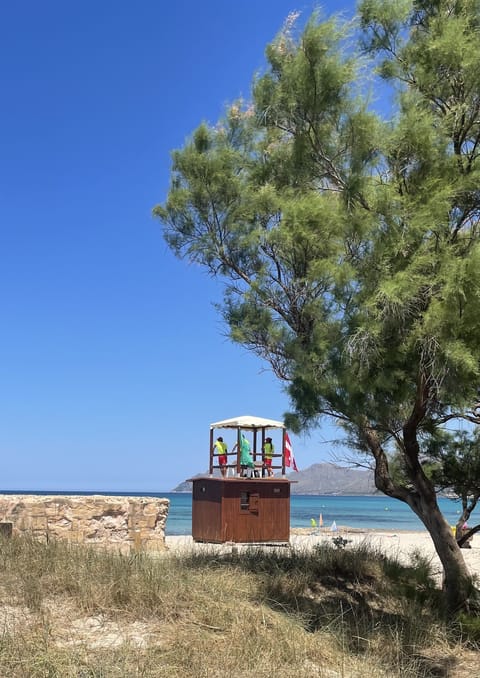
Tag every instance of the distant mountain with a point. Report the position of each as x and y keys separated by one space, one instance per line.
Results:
x=322 y=479
x=332 y=479
x=187 y=487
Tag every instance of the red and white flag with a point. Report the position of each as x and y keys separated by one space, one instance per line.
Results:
x=289 y=458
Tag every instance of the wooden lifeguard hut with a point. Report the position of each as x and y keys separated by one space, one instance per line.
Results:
x=246 y=505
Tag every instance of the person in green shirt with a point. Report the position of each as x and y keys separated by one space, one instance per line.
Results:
x=246 y=460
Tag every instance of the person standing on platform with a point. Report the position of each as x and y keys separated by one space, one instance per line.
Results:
x=246 y=460
x=220 y=449
x=268 y=450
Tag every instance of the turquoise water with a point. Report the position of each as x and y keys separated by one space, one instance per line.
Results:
x=378 y=512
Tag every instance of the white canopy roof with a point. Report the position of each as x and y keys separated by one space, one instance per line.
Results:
x=247 y=422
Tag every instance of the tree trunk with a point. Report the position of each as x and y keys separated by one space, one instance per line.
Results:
x=467 y=536
x=457 y=580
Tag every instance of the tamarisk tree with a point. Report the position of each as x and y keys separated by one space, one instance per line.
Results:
x=348 y=237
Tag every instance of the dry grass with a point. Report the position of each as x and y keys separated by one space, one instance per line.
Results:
x=71 y=612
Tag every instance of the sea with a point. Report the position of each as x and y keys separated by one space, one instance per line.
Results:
x=367 y=512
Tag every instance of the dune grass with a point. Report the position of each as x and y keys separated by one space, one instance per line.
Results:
x=75 y=612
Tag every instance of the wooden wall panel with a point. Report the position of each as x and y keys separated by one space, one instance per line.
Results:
x=206 y=511
x=241 y=510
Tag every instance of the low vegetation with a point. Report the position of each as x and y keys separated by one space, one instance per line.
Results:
x=74 y=612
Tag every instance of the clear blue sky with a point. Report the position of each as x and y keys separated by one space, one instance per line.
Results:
x=113 y=362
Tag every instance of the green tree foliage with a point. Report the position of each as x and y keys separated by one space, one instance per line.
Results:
x=349 y=242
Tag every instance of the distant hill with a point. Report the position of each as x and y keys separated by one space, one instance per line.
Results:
x=322 y=479
x=332 y=479
x=187 y=487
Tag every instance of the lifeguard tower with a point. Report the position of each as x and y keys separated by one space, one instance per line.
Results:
x=246 y=505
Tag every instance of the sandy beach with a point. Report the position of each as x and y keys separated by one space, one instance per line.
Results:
x=399 y=544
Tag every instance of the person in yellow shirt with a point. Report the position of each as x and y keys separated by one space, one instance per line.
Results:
x=268 y=450
x=220 y=449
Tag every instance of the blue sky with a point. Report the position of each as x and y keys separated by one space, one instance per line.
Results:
x=113 y=362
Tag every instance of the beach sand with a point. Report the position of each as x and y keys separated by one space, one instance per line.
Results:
x=399 y=544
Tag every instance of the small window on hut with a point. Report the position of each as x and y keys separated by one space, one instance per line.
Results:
x=249 y=501
x=244 y=501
